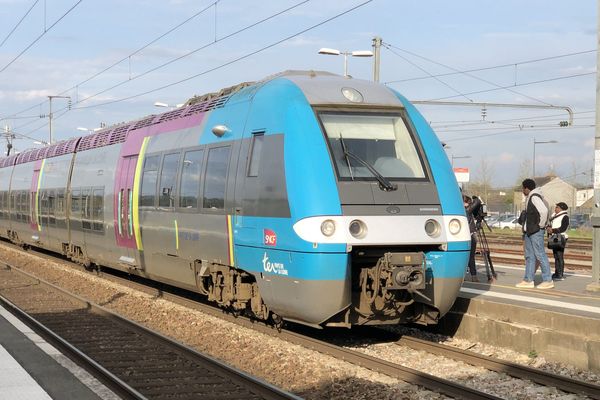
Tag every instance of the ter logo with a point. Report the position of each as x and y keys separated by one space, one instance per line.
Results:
x=269 y=237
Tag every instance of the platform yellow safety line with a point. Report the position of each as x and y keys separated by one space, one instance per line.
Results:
x=136 y=197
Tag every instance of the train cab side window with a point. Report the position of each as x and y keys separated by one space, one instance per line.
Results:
x=190 y=179
x=216 y=178
x=255 y=154
x=168 y=181
x=149 y=180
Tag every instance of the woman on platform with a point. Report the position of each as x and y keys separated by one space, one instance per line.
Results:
x=559 y=223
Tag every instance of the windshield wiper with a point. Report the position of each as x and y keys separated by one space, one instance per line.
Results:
x=384 y=184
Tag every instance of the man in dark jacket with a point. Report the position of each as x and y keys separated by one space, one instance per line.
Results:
x=536 y=218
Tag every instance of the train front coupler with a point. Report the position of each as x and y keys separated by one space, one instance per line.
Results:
x=390 y=285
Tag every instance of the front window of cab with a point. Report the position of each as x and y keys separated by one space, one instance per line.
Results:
x=380 y=141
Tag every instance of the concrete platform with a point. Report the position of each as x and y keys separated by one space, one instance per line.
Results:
x=560 y=324
x=31 y=369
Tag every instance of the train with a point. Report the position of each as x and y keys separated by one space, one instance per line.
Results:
x=306 y=197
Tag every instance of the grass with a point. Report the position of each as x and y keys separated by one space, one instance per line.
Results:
x=582 y=233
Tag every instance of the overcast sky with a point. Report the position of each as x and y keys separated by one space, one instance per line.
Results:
x=106 y=54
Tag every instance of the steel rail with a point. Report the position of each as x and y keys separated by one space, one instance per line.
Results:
x=406 y=374
x=251 y=383
x=110 y=380
x=403 y=373
x=563 y=383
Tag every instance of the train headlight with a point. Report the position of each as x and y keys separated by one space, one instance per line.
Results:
x=454 y=226
x=358 y=229
x=432 y=228
x=328 y=227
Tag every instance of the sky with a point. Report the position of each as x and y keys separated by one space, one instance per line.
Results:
x=115 y=59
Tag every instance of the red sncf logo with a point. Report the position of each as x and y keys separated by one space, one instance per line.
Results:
x=269 y=237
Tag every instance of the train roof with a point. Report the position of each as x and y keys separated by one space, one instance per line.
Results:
x=319 y=87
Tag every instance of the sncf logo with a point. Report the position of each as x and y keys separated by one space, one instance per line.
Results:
x=269 y=237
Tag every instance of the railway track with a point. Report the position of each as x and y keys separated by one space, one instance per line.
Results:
x=563 y=383
x=131 y=360
x=509 y=250
x=446 y=387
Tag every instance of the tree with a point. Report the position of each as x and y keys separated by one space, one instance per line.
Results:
x=483 y=178
x=524 y=172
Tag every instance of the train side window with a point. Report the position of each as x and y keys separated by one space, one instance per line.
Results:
x=216 y=178
x=98 y=209
x=255 y=154
x=86 y=208
x=149 y=180
x=60 y=203
x=168 y=181
x=75 y=203
x=190 y=179
x=51 y=207
x=26 y=196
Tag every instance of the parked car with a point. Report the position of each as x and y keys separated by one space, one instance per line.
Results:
x=502 y=219
x=511 y=223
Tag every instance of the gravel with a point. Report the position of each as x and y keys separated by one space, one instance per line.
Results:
x=306 y=373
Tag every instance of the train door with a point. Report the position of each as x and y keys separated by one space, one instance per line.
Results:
x=124 y=211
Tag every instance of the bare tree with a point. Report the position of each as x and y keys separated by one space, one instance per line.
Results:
x=484 y=176
x=524 y=172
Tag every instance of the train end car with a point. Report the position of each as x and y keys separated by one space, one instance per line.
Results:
x=370 y=228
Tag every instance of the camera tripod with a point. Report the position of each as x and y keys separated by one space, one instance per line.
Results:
x=484 y=249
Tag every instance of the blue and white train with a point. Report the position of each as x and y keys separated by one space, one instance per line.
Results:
x=306 y=197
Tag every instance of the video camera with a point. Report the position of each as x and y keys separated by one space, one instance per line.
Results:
x=479 y=208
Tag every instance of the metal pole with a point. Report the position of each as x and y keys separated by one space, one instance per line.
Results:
x=533 y=159
x=50 y=120
x=595 y=285
x=376 y=57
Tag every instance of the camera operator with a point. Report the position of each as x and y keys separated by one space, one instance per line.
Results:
x=472 y=208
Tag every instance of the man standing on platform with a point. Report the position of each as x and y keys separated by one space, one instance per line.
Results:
x=536 y=218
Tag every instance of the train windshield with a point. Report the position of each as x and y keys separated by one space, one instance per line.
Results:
x=364 y=145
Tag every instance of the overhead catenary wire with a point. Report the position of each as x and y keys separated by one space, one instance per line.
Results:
x=247 y=55
x=424 y=70
x=19 y=23
x=40 y=36
x=166 y=63
x=389 y=46
x=495 y=66
x=237 y=59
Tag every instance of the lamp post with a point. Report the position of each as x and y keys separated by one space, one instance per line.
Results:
x=334 y=52
x=535 y=142
x=453 y=157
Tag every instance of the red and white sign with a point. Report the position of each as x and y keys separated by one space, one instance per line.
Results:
x=269 y=237
x=462 y=175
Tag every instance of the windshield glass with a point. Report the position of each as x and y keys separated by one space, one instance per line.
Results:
x=381 y=140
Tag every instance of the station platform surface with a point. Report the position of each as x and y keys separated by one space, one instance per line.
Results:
x=569 y=296
x=561 y=324
x=32 y=369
